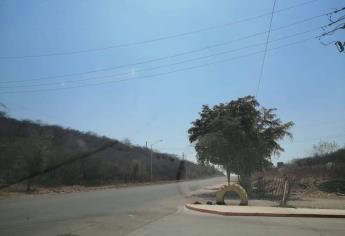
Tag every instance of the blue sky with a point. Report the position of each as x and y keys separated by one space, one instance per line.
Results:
x=305 y=82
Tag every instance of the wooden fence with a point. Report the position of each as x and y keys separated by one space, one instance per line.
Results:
x=273 y=189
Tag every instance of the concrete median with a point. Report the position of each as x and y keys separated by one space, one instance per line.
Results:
x=266 y=211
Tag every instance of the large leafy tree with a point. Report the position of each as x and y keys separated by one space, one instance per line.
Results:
x=240 y=136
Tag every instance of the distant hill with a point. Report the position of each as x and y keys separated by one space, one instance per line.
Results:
x=30 y=147
x=310 y=175
x=327 y=166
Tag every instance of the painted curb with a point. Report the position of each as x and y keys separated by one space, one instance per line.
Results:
x=228 y=213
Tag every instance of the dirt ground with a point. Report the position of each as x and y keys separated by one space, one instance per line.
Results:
x=20 y=189
x=317 y=199
x=299 y=199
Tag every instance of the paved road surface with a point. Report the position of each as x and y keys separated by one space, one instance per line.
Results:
x=145 y=210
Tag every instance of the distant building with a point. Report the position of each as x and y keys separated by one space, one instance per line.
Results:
x=280 y=164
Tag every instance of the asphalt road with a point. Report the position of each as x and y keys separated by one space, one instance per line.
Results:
x=106 y=212
x=144 y=210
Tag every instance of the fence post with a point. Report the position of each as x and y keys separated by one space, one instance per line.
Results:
x=285 y=192
x=272 y=185
x=280 y=189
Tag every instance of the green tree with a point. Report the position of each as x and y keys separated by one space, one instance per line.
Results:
x=240 y=136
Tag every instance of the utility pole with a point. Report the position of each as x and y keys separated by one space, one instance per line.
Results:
x=185 y=166
x=151 y=154
x=151 y=164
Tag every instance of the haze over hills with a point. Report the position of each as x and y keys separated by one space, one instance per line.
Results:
x=29 y=147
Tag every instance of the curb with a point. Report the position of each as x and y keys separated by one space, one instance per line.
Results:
x=228 y=213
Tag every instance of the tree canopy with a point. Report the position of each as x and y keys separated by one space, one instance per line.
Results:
x=240 y=136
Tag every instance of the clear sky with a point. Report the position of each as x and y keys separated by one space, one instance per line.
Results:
x=305 y=81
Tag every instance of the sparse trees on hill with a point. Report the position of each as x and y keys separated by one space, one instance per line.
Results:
x=33 y=150
x=2 y=110
x=324 y=148
x=26 y=148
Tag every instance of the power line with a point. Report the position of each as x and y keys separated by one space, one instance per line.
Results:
x=169 y=56
x=265 y=52
x=339 y=27
x=158 y=38
x=169 y=64
x=164 y=73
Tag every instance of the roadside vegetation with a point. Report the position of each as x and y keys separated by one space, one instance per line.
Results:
x=315 y=181
x=318 y=175
x=30 y=148
x=241 y=136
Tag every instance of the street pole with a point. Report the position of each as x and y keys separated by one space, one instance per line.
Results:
x=151 y=165
x=184 y=165
x=151 y=154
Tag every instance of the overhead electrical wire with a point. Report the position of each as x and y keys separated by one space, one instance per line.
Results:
x=264 y=56
x=169 y=56
x=176 y=63
x=163 y=73
x=158 y=38
x=165 y=65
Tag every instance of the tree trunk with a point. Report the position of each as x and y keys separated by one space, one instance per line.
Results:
x=245 y=182
x=228 y=173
